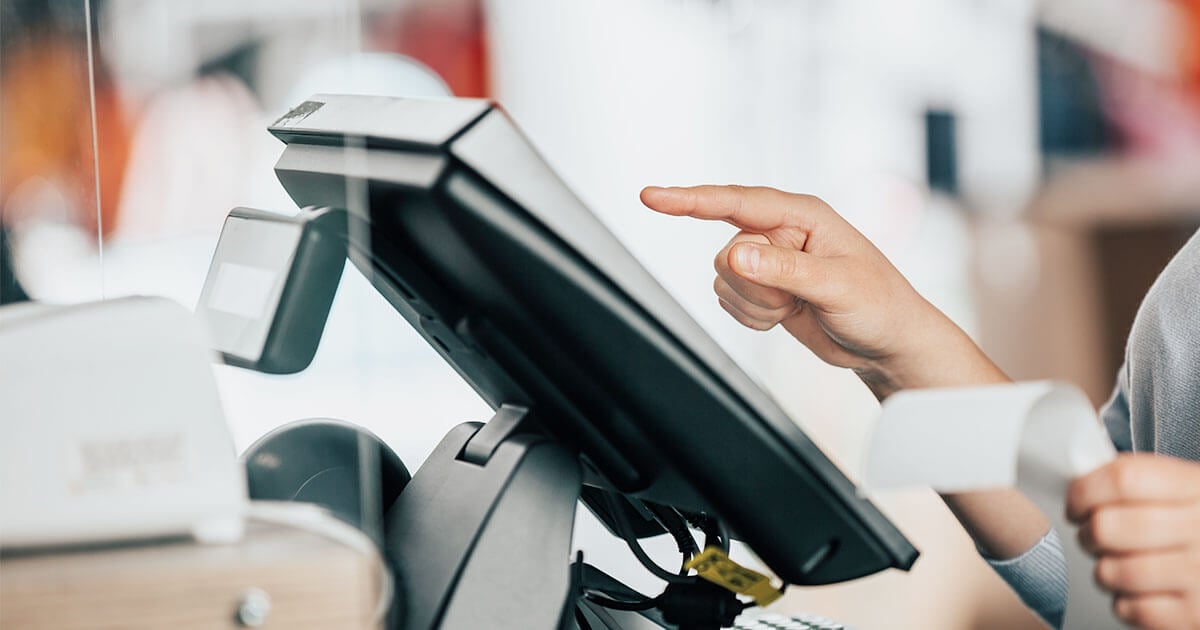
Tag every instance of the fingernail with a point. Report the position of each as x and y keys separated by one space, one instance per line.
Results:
x=748 y=257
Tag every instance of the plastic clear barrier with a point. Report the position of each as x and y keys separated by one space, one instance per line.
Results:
x=663 y=91
x=51 y=175
x=207 y=79
x=183 y=94
x=123 y=147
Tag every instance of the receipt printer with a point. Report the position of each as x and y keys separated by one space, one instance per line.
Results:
x=112 y=427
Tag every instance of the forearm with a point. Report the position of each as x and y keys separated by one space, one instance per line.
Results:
x=1003 y=523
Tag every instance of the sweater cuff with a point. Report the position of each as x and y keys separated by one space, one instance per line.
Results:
x=1039 y=577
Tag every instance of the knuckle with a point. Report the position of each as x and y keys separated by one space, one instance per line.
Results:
x=753 y=324
x=811 y=200
x=758 y=313
x=786 y=266
x=780 y=301
x=1076 y=494
x=761 y=325
x=739 y=197
x=756 y=305
x=1126 y=477
x=1108 y=573
x=1086 y=537
x=775 y=315
x=721 y=287
x=742 y=318
x=1132 y=610
x=1106 y=526
x=691 y=198
x=815 y=203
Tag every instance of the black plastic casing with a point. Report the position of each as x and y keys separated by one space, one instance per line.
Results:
x=307 y=254
x=477 y=243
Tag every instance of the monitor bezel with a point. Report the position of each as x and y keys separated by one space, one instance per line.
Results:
x=309 y=170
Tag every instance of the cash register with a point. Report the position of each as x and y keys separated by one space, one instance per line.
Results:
x=607 y=394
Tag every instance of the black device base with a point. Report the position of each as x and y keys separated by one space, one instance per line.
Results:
x=481 y=536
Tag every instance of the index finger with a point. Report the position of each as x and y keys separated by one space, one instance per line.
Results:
x=1132 y=478
x=755 y=209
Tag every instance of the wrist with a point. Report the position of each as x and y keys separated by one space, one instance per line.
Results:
x=937 y=353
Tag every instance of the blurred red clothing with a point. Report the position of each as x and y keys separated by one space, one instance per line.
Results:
x=46 y=126
x=446 y=35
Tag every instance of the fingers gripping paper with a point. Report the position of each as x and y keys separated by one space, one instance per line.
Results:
x=1035 y=437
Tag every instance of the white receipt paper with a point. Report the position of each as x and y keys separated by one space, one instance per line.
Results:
x=1035 y=436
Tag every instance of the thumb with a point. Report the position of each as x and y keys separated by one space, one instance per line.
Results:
x=801 y=274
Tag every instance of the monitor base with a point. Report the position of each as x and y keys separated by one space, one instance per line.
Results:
x=481 y=536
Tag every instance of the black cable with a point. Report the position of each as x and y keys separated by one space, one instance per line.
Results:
x=618 y=604
x=675 y=525
x=715 y=532
x=626 y=532
x=581 y=621
x=722 y=534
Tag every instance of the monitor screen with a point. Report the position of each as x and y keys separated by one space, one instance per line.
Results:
x=499 y=266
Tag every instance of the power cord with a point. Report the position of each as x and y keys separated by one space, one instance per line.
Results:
x=626 y=532
x=715 y=532
x=617 y=604
x=675 y=525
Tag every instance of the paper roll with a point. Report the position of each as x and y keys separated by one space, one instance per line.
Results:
x=1035 y=437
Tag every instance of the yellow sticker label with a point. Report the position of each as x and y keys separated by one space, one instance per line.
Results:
x=715 y=566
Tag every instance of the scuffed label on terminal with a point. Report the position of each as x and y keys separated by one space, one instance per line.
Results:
x=298 y=113
x=117 y=463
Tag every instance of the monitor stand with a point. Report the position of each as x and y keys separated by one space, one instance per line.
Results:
x=481 y=536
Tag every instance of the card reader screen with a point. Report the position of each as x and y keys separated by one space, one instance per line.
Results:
x=249 y=271
x=242 y=290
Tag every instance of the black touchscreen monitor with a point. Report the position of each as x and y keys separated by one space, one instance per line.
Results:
x=466 y=230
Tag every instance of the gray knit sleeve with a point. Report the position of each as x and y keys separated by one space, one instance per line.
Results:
x=1115 y=413
x=1039 y=577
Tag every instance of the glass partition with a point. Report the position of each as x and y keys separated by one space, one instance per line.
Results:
x=57 y=186
x=982 y=145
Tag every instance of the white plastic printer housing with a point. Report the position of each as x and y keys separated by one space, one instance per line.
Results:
x=111 y=427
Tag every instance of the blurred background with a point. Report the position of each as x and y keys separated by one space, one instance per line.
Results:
x=1030 y=165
